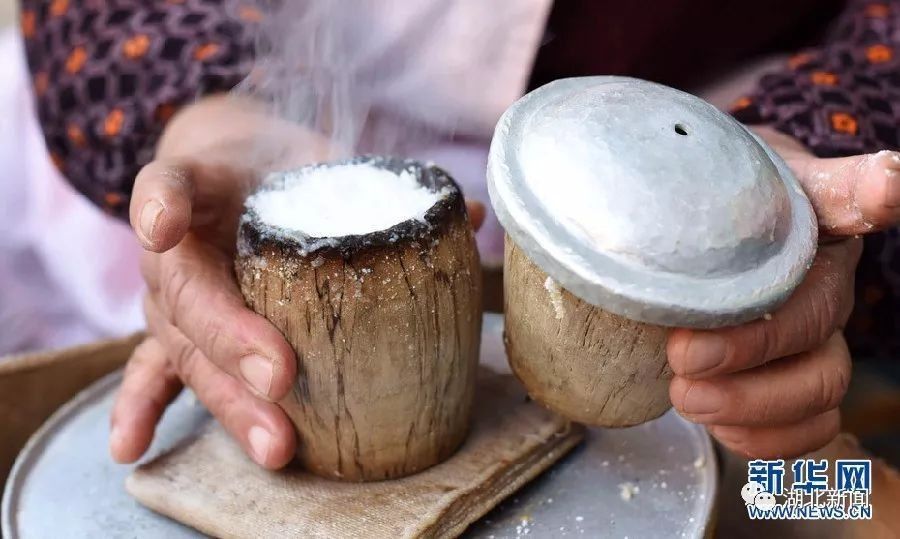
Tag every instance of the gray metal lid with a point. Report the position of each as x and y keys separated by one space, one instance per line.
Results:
x=649 y=202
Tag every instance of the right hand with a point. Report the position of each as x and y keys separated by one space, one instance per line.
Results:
x=771 y=388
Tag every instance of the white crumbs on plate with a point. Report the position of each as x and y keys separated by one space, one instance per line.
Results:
x=628 y=490
x=524 y=527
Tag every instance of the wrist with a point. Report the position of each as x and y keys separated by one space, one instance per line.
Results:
x=238 y=131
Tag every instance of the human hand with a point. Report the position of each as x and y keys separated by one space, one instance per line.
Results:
x=772 y=387
x=185 y=209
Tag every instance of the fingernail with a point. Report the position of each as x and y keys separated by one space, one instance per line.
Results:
x=704 y=351
x=149 y=214
x=260 y=442
x=703 y=398
x=115 y=442
x=258 y=372
x=892 y=190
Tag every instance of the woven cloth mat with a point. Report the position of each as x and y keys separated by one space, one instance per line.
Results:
x=210 y=485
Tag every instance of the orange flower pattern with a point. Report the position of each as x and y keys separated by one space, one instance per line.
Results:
x=58 y=8
x=742 y=103
x=206 y=51
x=27 y=23
x=112 y=124
x=41 y=83
x=842 y=122
x=878 y=11
x=76 y=135
x=879 y=54
x=250 y=14
x=824 y=78
x=136 y=47
x=799 y=59
x=839 y=100
x=76 y=60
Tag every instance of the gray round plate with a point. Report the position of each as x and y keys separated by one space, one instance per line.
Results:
x=65 y=485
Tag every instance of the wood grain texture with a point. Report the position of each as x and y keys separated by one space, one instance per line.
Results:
x=587 y=364
x=387 y=341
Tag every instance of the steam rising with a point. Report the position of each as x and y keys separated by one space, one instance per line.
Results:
x=326 y=65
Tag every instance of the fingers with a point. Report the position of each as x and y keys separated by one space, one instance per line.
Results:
x=785 y=441
x=819 y=306
x=783 y=392
x=477 y=213
x=208 y=311
x=161 y=205
x=854 y=195
x=149 y=385
x=261 y=427
x=850 y=195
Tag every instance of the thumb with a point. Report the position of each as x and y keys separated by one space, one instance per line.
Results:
x=161 y=205
x=850 y=195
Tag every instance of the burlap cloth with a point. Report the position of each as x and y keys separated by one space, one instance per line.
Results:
x=210 y=485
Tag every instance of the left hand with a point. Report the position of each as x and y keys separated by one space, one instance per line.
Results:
x=771 y=387
x=200 y=333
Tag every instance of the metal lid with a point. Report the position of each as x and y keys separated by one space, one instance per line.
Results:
x=649 y=202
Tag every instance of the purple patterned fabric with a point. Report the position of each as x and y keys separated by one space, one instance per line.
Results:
x=843 y=97
x=109 y=73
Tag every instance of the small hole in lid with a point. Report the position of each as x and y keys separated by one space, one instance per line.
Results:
x=681 y=129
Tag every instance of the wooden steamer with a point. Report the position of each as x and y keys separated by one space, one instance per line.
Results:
x=631 y=208
x=386 y=327
x=586 y=363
